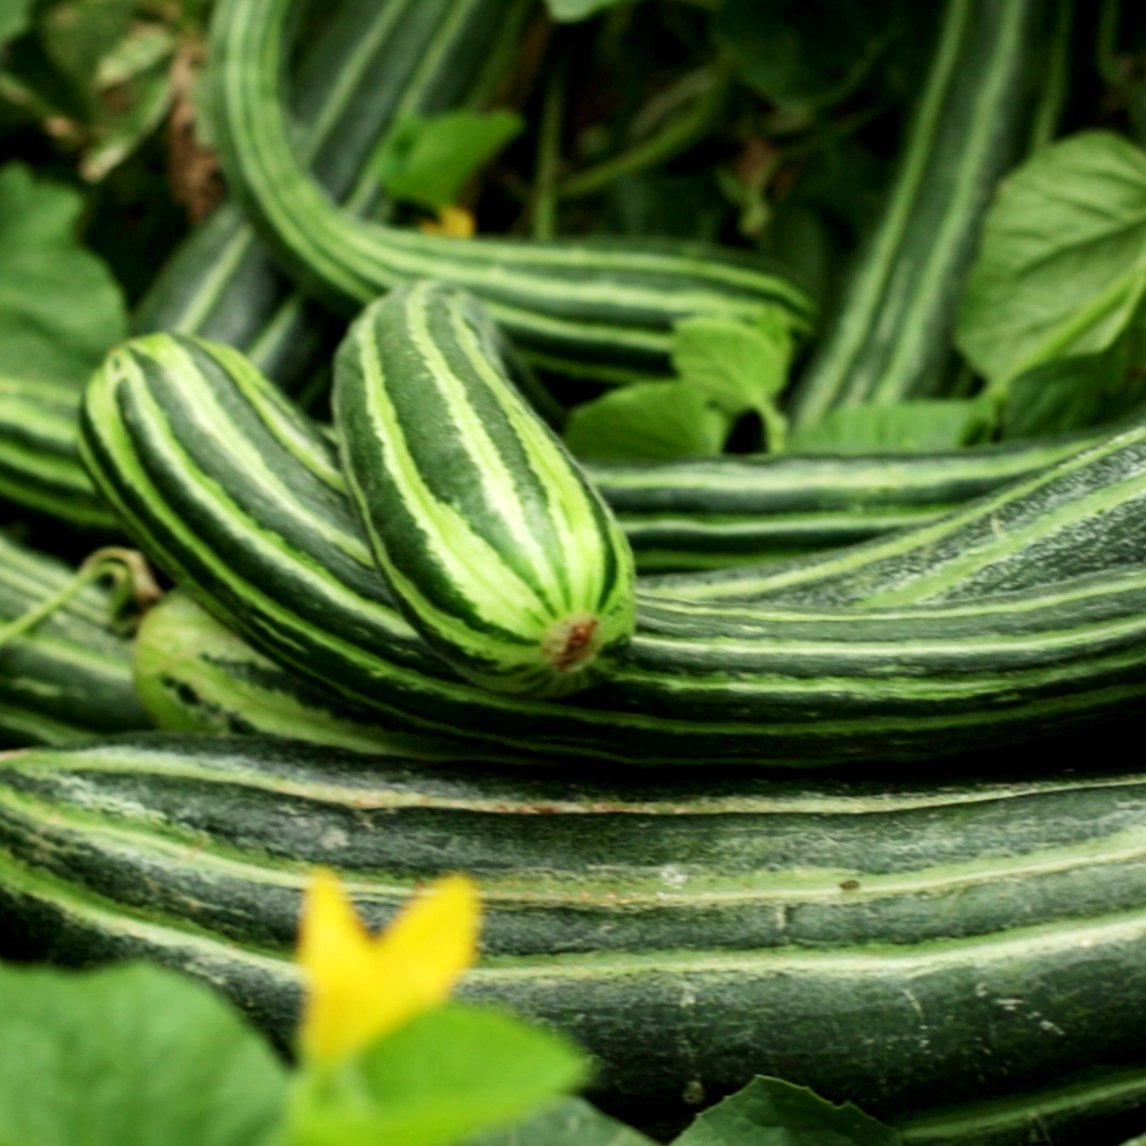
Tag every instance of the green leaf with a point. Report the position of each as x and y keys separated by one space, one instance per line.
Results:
x=904 y=427
x=129 y=1056
x=804 y=52
x=740 y=366
x=648 y=420
x=570 y=10
x=1062 y=265
x=429 y=159
x=1078 y=392
x=77 y=34
x=15 y=17
x=768 y=1112
x=451 y=1072
x=60 y=308
x=573 y=1122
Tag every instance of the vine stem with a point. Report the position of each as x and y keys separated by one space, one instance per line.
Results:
x=132 y=580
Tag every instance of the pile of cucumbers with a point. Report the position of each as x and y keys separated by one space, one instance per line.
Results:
x=750 y=756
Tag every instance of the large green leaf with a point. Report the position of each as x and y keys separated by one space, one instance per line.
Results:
x=60 y=308
x=130 y=1056
x=1062 y=265
x=648 y=421
x=451 y=1072
x=572 y=1122
x=768 y=1112
x=429 y=159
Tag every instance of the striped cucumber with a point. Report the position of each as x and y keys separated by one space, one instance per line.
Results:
x=40 y=470
x=495 y=547
x=69 y=678
x=891 y=334
x=683 y=515
x=904 y=946
x=239 y=498
x=1085 y=514
x=701 y=513
x=192 y=674
x=601 y=310
x=224 y=283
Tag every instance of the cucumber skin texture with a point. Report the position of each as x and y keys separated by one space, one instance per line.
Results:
x=605 y=907
x=238 y=497
x=593 y=310
x=495 y=547
x=40 y=470
x=69 y=678
x=890 y=336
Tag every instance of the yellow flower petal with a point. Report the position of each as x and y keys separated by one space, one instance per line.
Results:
x=360 y=987
x=455 y=222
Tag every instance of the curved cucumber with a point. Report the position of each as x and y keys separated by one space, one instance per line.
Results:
x=495 y=546
x=596 y=310
x=726 y=929
x=224 y=282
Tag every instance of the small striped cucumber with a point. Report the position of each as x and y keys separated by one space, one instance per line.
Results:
x=497 y=549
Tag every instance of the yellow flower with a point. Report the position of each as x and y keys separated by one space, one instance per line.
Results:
x=455 y=222
x=361 y=986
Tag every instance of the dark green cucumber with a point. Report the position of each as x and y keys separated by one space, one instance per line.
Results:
x=603 y=310
x=493 y=543
x=192 y=674
x=903 y=946
x=891 y=334
x=372 y=64
x=238 y=497
x=69 y=678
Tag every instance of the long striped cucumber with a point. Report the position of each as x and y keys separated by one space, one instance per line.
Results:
x=688 y=515
x=682 y=515
x=239 y=498
x=904 y=946
x=372 y=64
x=68 y=678
x=601 y=310
x=1084 y=514
x=192 y=674
x=493 y=543
x=890 y=336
